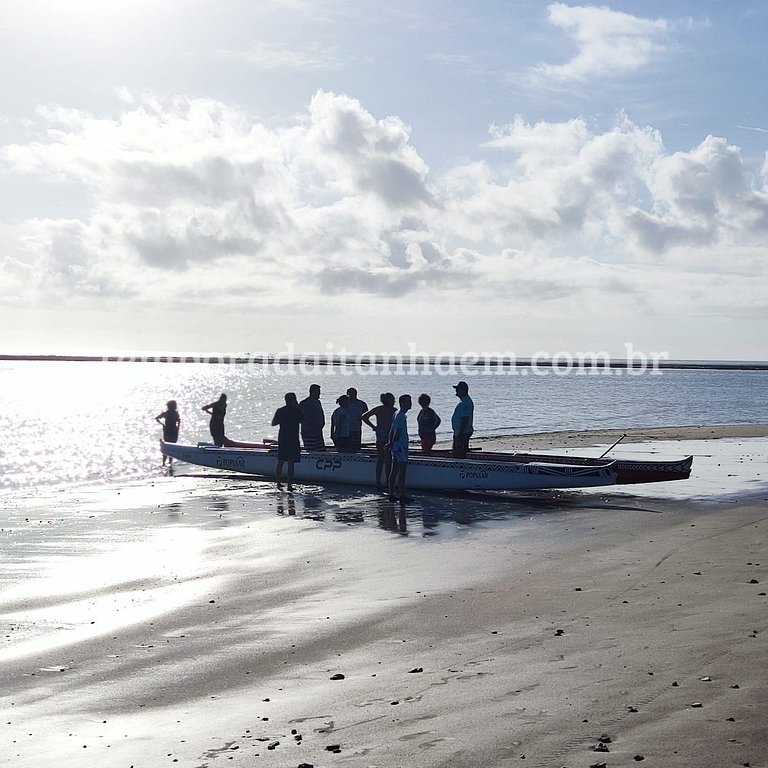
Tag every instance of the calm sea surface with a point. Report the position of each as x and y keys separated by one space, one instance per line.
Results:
x=66 y=423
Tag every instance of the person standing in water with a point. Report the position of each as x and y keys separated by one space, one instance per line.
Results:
x=217 y=410
x=288 y=418
x=171 y=422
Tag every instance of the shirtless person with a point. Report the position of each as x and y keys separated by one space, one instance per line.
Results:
x=383 y=414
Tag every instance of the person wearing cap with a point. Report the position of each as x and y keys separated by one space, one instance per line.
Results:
x=314 y=420
x=461 y=421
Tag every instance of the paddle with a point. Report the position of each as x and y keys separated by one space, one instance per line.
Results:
x=602 y=455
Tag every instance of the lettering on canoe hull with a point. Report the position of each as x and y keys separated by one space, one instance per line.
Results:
x=464 y=475
x=230 y=462
x=331 y=464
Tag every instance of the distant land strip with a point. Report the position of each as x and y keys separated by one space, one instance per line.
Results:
x=584 y=362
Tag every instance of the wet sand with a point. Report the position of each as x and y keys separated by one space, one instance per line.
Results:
x=205 y=619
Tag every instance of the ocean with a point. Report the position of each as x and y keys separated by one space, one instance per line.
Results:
x=151 y=616
x=85 y=423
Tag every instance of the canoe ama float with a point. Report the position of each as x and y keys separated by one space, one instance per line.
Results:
x=629 y=471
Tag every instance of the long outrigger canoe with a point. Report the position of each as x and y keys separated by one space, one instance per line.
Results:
x=438 y=471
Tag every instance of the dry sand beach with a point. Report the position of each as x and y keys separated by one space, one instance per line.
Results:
x=208 y=620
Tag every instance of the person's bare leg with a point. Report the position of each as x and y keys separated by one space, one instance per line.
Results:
x=401 y=469
x=290 y=475
x=279 y=474
x=391 y=478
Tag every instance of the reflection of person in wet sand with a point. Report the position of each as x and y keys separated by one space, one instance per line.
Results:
x=290 y=511
x=289 y=419
x=171 y=421
x=218 y=411
x=391 y=520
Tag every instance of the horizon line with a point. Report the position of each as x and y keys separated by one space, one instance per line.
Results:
x=589 y=360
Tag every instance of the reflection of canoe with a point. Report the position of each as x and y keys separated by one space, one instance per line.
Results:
x=438 y=473
x=627 y=470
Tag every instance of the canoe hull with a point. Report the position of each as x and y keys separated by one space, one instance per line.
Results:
x=424 y=472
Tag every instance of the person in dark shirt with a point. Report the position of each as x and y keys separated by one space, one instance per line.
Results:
x=357 y=408
x=340 y=420
x=218 y=411
x=314 y=420
x=288 y=419
x=428 y=422
x=171 y=421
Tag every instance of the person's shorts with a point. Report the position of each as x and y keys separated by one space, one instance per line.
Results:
x=428 y=442
x=313 y=442
x=342 y=444
x=217 y=433
x=289 y=452
x=461 y=445
x=400 y=454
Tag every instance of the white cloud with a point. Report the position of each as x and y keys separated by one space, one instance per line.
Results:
x=268 y=56
x=449 y=58
x=195 y=203
x=702 y=197
x=568 y=181
x=183 y=184
x=609 y=43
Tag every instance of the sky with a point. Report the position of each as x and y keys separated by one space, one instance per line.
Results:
x=437 y=177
